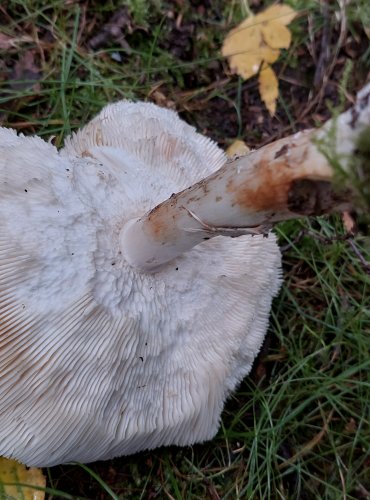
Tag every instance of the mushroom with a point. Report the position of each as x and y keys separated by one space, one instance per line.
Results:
x=128 y=313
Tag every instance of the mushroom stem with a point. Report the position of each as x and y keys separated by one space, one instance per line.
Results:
x=289 y=178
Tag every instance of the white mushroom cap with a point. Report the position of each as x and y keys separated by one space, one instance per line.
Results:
x=98 y=359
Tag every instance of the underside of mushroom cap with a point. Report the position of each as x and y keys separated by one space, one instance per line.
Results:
x=98 y=359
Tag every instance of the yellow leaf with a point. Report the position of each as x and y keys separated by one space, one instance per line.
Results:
x=255 y=44
x=257 y=39
x=242 y=47
x=237 y=148
x=247 y=67
x=269 y=88
x=276 y=35
x=283 y=14
x=244 y=38
x=12 y=472
x=268 y=54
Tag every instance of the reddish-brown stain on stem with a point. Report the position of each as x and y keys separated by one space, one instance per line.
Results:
x=273 y=181
x=278 y=188
x=268 y=185
x=268 y=191
x=160 y=221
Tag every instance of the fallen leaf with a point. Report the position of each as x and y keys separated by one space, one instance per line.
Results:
x=351 y=426
x=161 y=100
x=114 y=30
x=257 y=41
x=269 y=88
x=349 y=223
x=276 y=35
x=237 y=148
x=242 y=47
x=26 y=73
x=13 y=474
x=268 y=54
x=281 y=13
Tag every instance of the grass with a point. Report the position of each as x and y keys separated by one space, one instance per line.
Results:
x=298 y=427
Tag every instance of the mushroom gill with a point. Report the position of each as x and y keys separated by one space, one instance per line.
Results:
x=127 y=312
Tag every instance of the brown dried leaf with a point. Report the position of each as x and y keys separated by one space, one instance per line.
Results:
x=161 y=100
x=351 y=426
x=26 y=72
x=114 y=30
x=349 y=223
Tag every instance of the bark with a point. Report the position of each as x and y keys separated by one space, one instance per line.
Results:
x=289 y=178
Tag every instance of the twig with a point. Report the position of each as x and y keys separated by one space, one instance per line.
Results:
x=35 y=123
x=324 y=57
x=297 y=239
x=343 y=482
x=348 y=237
x=365 y=264
x=323 y=239
x=310 y=445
